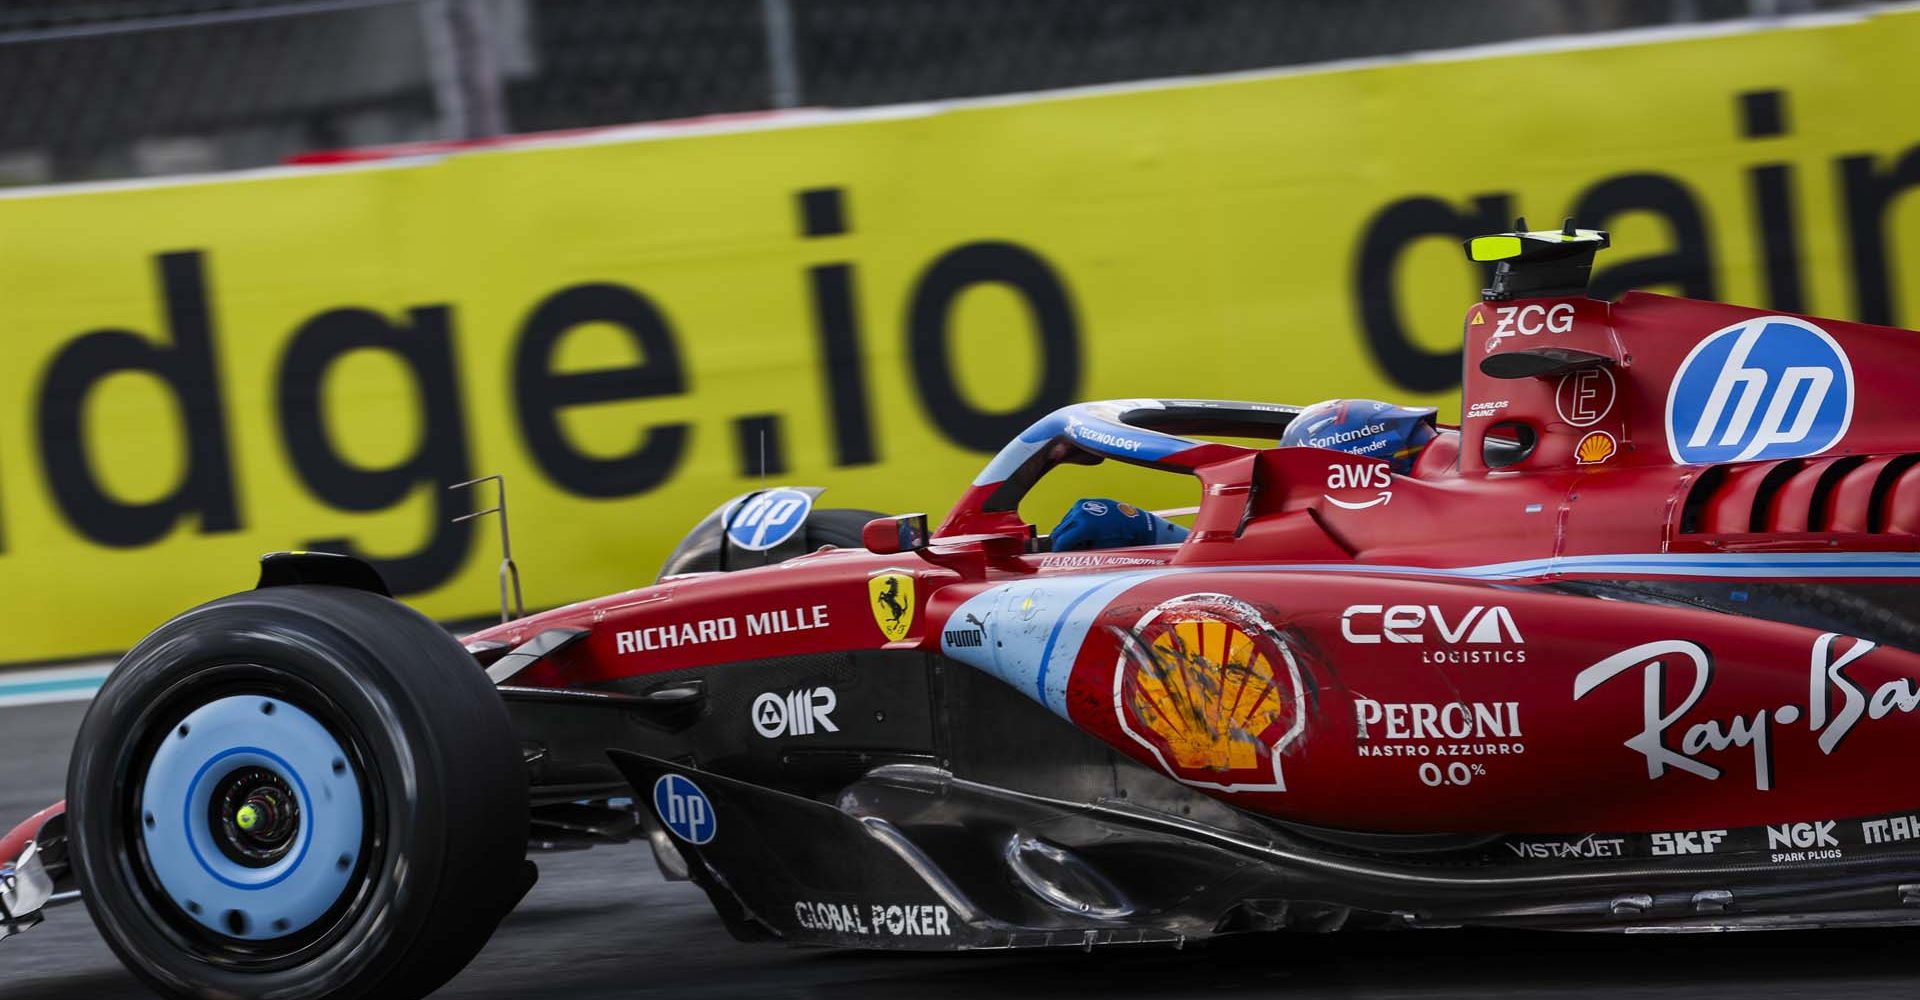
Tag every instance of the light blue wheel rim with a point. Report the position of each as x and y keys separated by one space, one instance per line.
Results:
x=212 y=742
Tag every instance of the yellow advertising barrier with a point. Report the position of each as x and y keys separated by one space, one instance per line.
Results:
x=198 y=372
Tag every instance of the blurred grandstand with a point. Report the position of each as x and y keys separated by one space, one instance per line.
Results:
x=117 y=88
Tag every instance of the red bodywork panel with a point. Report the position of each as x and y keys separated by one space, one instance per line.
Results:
x=1340 y=646
x=26 y=831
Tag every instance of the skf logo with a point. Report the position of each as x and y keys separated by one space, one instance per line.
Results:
x=796 y=713
x=1692 y=842
x=1802 y=835
x=1595 y=448
x=1530 y=321
x=1367 y=624
x=1766 y=388
x=891 y=592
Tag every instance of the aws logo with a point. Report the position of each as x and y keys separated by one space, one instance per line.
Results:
x=1370 y=476
x=1766 y=388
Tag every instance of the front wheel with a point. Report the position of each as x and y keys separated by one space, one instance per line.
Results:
x=296 y=792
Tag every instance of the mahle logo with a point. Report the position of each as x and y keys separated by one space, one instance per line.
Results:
x=1765 y=388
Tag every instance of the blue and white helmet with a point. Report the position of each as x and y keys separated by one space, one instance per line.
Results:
x=1365 y=427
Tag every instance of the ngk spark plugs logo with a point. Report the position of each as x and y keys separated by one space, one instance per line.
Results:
x=1212 y=691
x=1479 y=634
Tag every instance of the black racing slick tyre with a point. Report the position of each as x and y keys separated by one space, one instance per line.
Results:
x=701 y=552
x=298 y=792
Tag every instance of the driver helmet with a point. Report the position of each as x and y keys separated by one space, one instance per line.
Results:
x=1365 y=427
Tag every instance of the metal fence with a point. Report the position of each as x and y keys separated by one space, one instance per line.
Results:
x=112 y=88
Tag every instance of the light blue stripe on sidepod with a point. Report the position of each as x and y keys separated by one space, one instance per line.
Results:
x=1032 y=646
x=1733 y=564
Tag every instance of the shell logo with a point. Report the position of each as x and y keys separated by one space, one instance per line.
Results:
x=1211 y=691
x=1594 y=448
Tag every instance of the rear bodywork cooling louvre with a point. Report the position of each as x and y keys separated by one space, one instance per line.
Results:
x=1848 y=494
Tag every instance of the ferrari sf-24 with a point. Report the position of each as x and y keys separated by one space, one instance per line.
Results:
x=1634 y=647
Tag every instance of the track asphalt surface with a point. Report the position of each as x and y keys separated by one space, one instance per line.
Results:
x=602 y=924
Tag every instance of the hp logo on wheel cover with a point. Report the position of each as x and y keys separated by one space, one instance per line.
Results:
x=1765 y=388
x=684 y=809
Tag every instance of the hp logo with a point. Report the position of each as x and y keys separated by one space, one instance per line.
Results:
x=767 y=519
x=1765 y=388
x=683 y=808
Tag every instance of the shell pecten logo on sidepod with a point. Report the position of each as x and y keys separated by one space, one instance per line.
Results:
x=1211 y=690
x=1596 y=447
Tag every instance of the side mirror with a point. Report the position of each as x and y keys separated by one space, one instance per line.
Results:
x=888 y=535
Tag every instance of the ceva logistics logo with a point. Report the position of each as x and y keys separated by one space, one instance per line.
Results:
x=1765 y=388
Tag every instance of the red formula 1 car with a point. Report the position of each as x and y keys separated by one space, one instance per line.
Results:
x=1633 y=648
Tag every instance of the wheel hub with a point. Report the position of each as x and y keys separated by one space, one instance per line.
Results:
x=251 y=817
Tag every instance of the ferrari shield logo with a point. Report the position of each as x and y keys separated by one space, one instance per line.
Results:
x=1212 y=693
x=891 y=592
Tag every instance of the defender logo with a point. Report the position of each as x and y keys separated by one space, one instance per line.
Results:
x=1766 y=388
x=796 y=713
